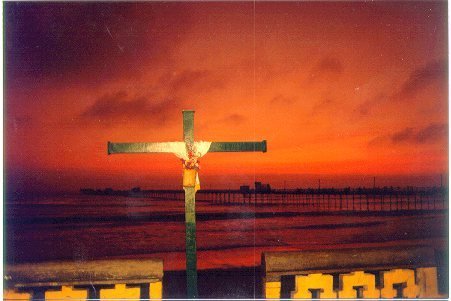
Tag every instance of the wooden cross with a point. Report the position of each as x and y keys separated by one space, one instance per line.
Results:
x=185 y=150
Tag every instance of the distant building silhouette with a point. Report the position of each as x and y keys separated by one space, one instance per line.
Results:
x=245 y=189
x=260 y=187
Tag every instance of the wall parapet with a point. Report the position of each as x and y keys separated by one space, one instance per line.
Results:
x=95 y=279
x=388 y=272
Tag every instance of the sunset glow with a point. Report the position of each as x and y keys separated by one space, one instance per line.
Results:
x=341 y=91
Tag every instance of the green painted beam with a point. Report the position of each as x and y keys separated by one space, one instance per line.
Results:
x=188 y=126
x=190 y=232
x=190 y=215
x=216 y=147
x=140 y=147
x=165 y=147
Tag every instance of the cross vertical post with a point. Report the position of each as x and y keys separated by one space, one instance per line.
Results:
x=190 y=215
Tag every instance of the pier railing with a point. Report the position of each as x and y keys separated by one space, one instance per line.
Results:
x=409 y=272
x=99 y=279
x=324 y=200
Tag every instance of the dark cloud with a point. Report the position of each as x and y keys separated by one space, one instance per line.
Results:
x=119 y=108
x=367 y=106
x=282 y=100
x=406 y=134
x=98 y=41
x=234 y=119
x=122 y=107
x=424 y=76
x=327 y=68
x=420 y=78
x=432 y=133
x=192 y=80
x=330 y=64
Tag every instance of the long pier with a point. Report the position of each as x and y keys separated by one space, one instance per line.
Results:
x=378 y=199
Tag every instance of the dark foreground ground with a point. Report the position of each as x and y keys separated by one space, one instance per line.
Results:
x=230 y=238
x=247 y=282
x=231 y=283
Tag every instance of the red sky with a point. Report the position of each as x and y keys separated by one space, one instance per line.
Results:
x=342 y=91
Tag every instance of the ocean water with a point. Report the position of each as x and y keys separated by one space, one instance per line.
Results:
x=83 y=227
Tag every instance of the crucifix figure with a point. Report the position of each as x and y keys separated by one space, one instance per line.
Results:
x=188 y=151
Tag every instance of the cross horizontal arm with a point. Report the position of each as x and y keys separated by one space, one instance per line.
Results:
x=144 y=147
x=216 y=147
